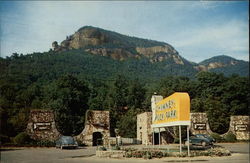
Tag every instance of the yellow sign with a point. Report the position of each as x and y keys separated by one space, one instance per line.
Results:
x=172 y=111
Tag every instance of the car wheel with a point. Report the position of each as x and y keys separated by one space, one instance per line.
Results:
x=203 y=144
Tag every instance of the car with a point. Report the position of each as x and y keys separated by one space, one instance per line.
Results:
x=66 y=142
x=200 y=140
x=206 y=136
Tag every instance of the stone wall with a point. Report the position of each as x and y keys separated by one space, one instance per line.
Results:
x=41 y=125
x=97 y=121
x=239 y=125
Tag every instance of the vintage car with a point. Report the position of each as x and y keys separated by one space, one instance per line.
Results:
x=200 y=140
x=206 y=136
x=66 y=142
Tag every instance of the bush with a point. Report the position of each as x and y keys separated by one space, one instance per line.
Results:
x=176 y=140
x=147 y=155
x=44 y=143
x=129 y=149
x=217 y=137
x=102 y=148
x=4 y=139
x=80 y=143
x=137 y=154
x=128 y=154
x=116 y=147
x=22 y=139
x=230 y=137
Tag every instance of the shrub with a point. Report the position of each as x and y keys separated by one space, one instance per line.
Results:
x=102 y=148
x=212 y=152
x=230 y=137
x=217 y=137
x=4 y=139
x=176 y=140
x=183 y=154
x=80 y=143
x=22 y=139
x=137 y=154
x=128 y=154
x=147 y=155
x=45 y=143
x=129 y=149
x=157 y=154
x=116 y=147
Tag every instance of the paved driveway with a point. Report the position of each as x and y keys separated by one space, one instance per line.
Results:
x=240 y=154
x=45 y=155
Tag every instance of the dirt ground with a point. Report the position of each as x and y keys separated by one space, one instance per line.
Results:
x=240 y=154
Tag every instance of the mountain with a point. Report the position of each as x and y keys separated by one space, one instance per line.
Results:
x=224 y=64
x=120 y=47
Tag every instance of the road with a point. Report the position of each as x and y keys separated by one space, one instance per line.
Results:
x=240 y=154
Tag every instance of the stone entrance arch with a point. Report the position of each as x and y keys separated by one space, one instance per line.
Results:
x=41 y=126
x=96 y=121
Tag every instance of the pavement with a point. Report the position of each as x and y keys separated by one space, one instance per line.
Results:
x=240 y=154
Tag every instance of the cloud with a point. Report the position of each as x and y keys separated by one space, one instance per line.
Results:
x=229 y=38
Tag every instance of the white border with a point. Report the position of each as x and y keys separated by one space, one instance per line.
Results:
x=176 y=123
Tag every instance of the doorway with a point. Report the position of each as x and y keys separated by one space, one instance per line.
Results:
x=156 y=138
x=97 y=138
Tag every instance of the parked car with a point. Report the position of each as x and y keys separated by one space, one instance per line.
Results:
x=200 y=140
x=66 y=142
x=206 y=136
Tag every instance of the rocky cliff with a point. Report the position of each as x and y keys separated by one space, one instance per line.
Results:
x=117 y=46
x=218 y=62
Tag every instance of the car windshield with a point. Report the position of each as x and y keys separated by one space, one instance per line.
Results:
x=67 y=139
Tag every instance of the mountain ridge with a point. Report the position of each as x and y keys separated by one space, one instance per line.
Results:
x=99 y=53
x=101 y=42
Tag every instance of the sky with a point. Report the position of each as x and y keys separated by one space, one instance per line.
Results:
x=198 y=30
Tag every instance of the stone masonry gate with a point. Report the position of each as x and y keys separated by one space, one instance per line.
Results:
x=42 y=126
x=239 y=125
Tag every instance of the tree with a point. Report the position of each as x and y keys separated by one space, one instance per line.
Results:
x=218 y=115
x=68 y=97
x=98 y=96
x=210 y=84
x=197 y=105
x=136 y=95
x=236 y=94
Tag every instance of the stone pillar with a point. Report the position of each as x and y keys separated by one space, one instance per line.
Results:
x=239 y=125
x=144 y=130
x=41 y=125
x=199 y=124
